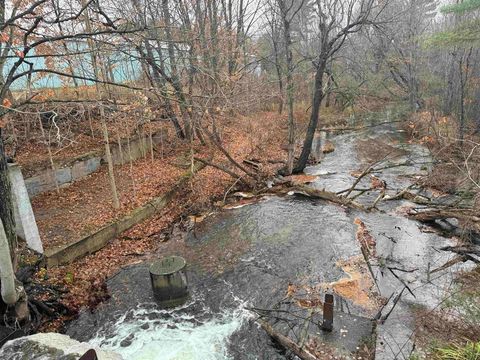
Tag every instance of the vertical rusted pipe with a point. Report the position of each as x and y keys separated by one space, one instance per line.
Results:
x=327 y=324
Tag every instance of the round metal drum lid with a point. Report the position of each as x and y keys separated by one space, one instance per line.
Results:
x=168 y=265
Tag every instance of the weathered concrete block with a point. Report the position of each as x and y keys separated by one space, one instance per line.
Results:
x=169 y=281
x=85 y=246
x=46 y=181
x=139 y=147
x=135 y=150
x=80 y=169
x=86 y=164
x=24 y=216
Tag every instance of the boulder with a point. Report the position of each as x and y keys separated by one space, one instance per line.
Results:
x=45 y=346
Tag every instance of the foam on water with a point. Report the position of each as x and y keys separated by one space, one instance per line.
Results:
x=171 y=334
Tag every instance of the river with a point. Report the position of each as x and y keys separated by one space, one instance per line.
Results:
x=248 y=256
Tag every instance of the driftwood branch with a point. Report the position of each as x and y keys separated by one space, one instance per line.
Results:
x=395 y=302
x=325 y=195
x=428 y=215
x=287 y=343
x=365 y=172
x=457 y=259
x=464 y=254
x=220 y=167
x=410 y=196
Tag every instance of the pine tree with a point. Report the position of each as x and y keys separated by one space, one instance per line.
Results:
x=461 y=8
x=466 y=32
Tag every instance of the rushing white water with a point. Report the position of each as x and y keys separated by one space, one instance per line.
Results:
x=153 y=334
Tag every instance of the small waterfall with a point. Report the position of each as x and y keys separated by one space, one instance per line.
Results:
x=151 y=333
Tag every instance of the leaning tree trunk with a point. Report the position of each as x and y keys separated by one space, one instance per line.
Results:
x=108 y=155
x=175 y=80
x=6 y=203
x=312 y=125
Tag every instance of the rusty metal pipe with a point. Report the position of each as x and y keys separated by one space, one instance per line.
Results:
x=327 y=324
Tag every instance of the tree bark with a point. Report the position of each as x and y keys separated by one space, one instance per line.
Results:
x=6 y=203
x=290 y=86
x=278 y=69
x=175 y=81
x=312 y=125
x=108 y=154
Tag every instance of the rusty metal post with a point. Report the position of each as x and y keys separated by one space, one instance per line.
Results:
x=327 y=324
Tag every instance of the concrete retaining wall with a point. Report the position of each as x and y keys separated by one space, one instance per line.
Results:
x=45 y=180
x=138 y=148
x=86 y=164
x=100 y=238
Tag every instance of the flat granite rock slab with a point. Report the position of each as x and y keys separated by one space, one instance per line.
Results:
x=350 y=333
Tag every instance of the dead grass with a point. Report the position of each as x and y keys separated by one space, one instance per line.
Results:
x=458 y=166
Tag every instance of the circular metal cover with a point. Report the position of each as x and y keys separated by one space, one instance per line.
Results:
x=168 y=265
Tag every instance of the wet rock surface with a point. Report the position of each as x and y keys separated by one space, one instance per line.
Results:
x=47 y=346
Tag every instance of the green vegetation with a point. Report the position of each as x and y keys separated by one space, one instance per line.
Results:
x=467 y=33
x=461 y=8
x=469 y=351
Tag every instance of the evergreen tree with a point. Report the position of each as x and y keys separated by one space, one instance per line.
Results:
x=466 y=32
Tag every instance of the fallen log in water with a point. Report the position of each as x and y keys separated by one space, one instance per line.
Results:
x=410 y=196
x=461 y=214
x=287 y=343
x=325 y=195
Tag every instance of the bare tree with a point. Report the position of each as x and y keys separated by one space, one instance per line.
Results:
x=335 y=20
x=288 y=10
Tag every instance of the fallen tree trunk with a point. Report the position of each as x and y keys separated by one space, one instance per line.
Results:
x=325 y=195
x=287 y=343
x=410 y=196
x=428 y=215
